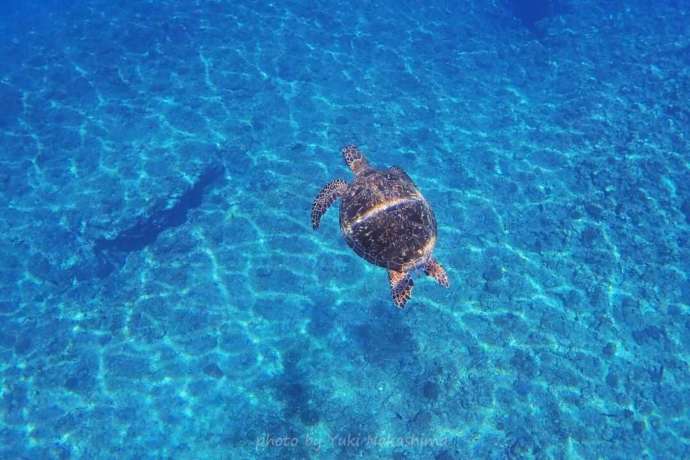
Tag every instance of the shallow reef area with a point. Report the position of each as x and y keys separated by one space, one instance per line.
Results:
x=164 y=295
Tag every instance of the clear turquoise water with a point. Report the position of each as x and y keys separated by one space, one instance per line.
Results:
x=163 y=294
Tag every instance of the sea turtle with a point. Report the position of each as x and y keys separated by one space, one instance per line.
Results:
x=385 y=220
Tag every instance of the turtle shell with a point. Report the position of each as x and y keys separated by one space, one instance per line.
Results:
x=386 y=220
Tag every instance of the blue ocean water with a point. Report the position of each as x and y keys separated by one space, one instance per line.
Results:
x=164 y=295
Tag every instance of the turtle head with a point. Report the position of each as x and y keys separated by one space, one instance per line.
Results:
x=354 y=159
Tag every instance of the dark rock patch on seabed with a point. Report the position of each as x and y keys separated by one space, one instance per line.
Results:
x=685 y=208
x=146 y=229
x=530 y=12
x=11 y=101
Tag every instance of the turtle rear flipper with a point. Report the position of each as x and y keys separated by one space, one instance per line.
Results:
x=328 y=194
x=436 y=271
x=401 y=287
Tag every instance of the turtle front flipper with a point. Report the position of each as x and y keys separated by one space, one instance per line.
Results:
x=436 y=271
x=328 y=194
x=401 y=287
x=354 y=159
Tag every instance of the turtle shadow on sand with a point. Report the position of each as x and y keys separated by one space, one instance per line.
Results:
x=110 y=252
